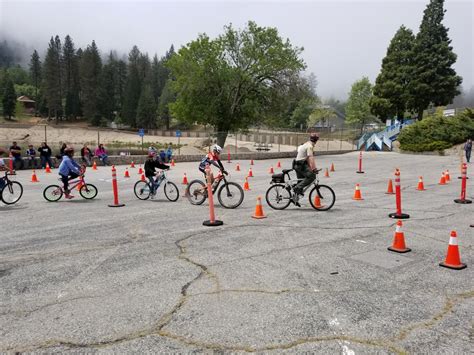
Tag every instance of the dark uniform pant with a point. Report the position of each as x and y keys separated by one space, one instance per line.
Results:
x=304 y=172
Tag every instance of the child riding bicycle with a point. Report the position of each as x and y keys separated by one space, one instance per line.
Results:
x=150 y=165
x=68 y=170
x=3 y=167
x=212 y=158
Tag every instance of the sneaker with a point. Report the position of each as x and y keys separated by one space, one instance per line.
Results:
x=69 y=196
x=295 y=198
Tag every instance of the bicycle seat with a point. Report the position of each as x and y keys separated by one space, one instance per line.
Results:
x=286 y=171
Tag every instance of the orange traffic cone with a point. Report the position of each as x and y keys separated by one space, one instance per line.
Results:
x=453 y=259
x=140 y=170
x=246 y=185
x=332 y=167
x=34 y=178
x=237 y=167
x=251 y=162
x=127 y=175
x=357 y=193
x=398 y=245
x=317 y=202
x=94 y=166
x=47 y=169
x=271 y=170
x=278 y=164
x=390 y=188
x=421 y=185
x=250 y=173
x=172 y=162
x=448 y=177
x=326 y=173
x=185 y=179
x=259 y=209
x=442 y=180
x=132 y=165
x=143 y=177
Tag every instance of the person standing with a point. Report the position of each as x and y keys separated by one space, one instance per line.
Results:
x=45 y=155
x=468 y=149
x=86 y=155
x=305 y=166
x=169 y=153
x=15 y=151
x=31 y=154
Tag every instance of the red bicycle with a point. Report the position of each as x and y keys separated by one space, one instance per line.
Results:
x=53 y=193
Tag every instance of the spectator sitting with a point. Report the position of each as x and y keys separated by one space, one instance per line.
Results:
x=45 y=155
x=86 y=155
x=169 y=153
x=31 y=154
x=162 y=156
x=15 y=151
x=101 y=153
x=61 y=151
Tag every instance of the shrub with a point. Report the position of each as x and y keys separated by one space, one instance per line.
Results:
x=437 y=132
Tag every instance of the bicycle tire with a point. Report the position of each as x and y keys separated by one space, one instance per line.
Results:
x=142 y=190
x=327 y=198
x=281 y=201
x=88 y=191
x=223 y=190
x=196 y=199
x=10 y=190
x=171 y=192
x=55 y=193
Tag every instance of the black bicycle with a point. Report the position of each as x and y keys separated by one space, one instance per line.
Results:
x=11 y=191
x=281 y=193
x=230 y=194
x=145 y=189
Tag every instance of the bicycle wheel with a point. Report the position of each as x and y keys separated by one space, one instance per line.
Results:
x=53 y=193
x=195 y=193
x=142 y=190
x=326 y=195
x=171 y=191
x=88 y=191
x=230 y=195
x=12 y=192
x=278 y=197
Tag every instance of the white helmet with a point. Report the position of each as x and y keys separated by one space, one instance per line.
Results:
x=217 y=149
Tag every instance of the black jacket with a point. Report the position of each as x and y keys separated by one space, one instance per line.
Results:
x=151 y=165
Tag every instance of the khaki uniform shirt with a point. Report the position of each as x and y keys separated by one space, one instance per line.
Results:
x=305 y=150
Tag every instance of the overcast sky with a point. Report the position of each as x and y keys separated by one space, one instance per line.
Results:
x=342 y=40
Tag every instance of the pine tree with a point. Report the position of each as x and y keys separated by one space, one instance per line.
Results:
x=52 y=80
x=108 y=88
x=167 y=96
x=391 y=94
x=9 y=99
x=71 y=78
x=35 y=72
x=146 y=111
x=121 y=80
x=433 y=78
x=90 y=72
x=132 y=88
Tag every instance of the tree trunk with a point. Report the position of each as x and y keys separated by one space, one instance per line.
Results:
x=420 y=114
x=221 y=137
x=400 y=117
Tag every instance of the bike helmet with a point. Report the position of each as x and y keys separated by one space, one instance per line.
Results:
x=69 y=150
x=151 y=154
x=217 y=149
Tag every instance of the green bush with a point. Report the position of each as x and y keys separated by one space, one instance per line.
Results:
x=437 y=132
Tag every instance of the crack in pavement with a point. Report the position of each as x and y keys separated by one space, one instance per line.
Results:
x=389 y=344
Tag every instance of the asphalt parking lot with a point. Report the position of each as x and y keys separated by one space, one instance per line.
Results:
x=83 y=277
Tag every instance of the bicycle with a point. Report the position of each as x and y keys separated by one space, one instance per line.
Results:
x=11 y=191
x=53 y=193
x=229 y=192
x=281 y=193
x=145 y=189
